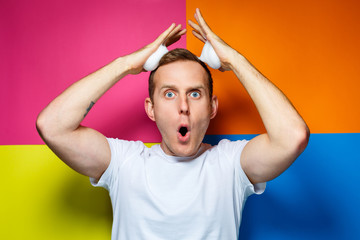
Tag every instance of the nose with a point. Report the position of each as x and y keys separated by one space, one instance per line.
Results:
x=184 y=106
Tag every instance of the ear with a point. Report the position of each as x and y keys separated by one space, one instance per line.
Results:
x=214 y=106
x=149 y=109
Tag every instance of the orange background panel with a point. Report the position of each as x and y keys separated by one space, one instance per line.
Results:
x=309 y=49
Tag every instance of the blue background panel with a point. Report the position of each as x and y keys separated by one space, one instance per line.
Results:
x=316 y=198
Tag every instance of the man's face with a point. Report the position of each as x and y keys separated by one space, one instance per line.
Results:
x=181 y=106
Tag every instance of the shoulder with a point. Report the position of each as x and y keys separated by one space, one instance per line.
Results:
x=231 y=147
x=122 y=151
x=124 y=147
x=227 y=151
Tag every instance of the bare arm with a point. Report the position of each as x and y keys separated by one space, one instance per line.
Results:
x=84 y=149
x=267 y=155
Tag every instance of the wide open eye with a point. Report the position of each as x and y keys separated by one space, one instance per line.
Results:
x=195 y=94
x=169 y=94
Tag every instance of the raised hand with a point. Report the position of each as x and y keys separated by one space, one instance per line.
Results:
x=136 y=60
x=202 y=31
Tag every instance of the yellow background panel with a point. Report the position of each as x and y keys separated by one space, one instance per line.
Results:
x=42 y=198
x=45 y=199
x=309 y=49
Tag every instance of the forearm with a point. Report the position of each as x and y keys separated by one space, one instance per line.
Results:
x=65 y=112
x=281 y=120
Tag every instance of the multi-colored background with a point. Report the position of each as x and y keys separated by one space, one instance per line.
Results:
x=309 y=49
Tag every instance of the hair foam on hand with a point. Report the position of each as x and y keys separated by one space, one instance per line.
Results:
x=208 y=56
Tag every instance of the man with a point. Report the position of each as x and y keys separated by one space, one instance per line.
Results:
x=182 y=188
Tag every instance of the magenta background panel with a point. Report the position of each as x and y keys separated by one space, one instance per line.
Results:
x=45 y=46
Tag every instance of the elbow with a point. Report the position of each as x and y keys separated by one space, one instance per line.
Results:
x=301 y=139
x=41 y=125
x=44 y=126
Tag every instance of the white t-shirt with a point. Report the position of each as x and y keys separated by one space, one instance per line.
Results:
x=156 y=196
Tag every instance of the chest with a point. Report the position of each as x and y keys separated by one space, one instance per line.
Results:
x=179 y=186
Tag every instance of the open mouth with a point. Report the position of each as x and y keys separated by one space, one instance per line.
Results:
x=183 y=131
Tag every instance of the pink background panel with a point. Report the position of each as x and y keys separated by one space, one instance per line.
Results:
x=45 y=46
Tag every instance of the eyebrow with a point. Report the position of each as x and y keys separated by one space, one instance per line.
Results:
x=167 y=86
x=191 y=88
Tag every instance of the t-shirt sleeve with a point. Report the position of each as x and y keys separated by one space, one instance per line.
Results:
x=233 y=150
x=121 y=151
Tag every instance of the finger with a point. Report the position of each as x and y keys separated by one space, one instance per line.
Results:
x=199 y=29
x=202 y=23
x=195 y=26
x=176 y=30
x=198 y=36
x=182 y=32
x=175 y=38
x=159 y=40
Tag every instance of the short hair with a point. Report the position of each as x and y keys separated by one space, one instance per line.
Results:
x=179 y=54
